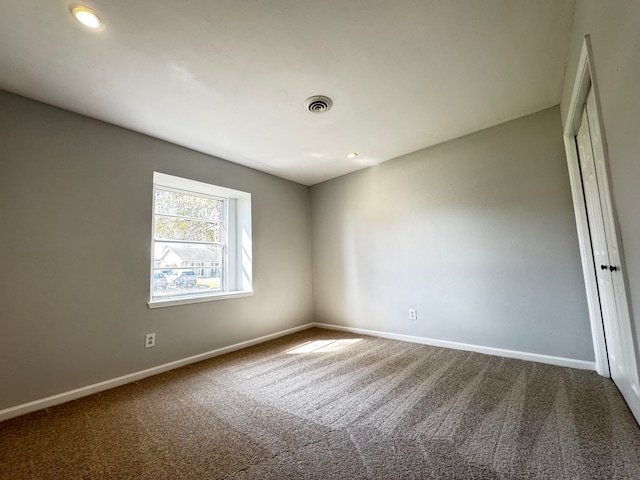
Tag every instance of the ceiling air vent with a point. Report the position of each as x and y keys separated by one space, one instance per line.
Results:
x=318 y=104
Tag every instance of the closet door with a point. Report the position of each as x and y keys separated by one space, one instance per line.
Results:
x=606 y=256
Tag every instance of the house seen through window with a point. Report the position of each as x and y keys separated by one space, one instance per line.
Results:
x=201 y=242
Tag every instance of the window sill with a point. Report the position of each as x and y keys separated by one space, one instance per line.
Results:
x=185 y=300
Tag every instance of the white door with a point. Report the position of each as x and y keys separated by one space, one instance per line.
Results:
x=606 y=256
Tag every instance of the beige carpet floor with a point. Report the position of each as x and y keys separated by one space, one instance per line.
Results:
x=336 y=409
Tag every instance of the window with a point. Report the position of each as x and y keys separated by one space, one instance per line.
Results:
x=201 y=242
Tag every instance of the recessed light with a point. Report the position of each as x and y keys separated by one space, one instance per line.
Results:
x=86 y=17
x=351 y=155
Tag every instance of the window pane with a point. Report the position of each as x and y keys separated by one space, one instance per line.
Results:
x=172 y=228
x=186 y=205
x=186 y=269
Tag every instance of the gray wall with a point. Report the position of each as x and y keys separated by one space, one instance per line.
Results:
x=615 y=39
x=75 y=240
x=477 y=233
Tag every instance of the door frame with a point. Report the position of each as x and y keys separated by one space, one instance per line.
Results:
x=585 y=80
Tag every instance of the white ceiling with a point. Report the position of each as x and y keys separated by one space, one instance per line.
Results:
x=229 y=77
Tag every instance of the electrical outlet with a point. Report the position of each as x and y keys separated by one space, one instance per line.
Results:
x=150 y=340
x=413 y=314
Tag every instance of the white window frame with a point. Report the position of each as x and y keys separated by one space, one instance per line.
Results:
x=237 y=276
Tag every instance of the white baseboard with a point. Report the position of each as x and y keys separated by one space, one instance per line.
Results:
x=132 y=377
x=532 y=357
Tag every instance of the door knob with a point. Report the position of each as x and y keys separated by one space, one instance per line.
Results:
x=603 y=267
x=612 y=268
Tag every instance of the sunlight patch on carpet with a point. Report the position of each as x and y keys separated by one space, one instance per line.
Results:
x=323 y=346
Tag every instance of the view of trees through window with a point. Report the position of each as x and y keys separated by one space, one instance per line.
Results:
x=189 y=242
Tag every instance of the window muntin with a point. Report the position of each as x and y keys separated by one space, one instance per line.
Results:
x=201 y=241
